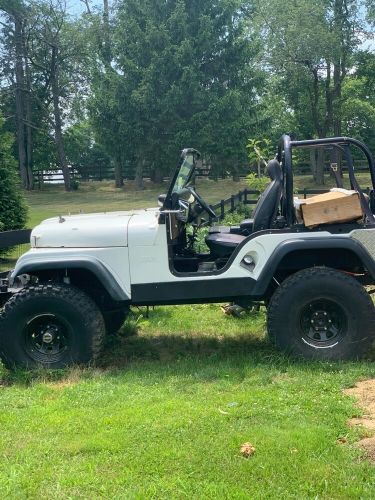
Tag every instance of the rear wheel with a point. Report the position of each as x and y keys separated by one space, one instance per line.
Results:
x=51 y=326
x=321 y=313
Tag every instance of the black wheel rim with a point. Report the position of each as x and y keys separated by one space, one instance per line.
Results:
x=323 y=323
x=47 y=338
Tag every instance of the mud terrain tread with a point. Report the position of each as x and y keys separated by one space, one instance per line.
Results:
x=273 y=316
x=92 y=316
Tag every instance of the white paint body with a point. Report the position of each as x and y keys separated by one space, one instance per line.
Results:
x=133 y=247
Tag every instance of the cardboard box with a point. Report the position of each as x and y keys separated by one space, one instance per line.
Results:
x=338 y=205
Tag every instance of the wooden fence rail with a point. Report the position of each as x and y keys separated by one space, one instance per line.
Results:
x=100 y=173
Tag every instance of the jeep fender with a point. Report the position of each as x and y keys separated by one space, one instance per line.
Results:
x=91 y=264
x=303 y=244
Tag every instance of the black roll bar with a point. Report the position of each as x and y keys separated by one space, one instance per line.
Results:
x=284 y=156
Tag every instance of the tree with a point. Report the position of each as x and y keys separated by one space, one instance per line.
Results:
x=311 y=45
x=259 y=152
x=358 y=100
x=42 y=53
x=54 y=55
x=13 y=212
x=18 y=76
x=181 y=73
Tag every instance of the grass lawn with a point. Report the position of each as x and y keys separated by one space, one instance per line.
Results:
x=103 y=196
x=164 y=413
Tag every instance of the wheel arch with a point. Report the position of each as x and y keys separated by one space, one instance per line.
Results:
x=294 y=255
x=92 y=268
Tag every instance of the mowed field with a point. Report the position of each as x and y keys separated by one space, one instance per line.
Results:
x=163 y=414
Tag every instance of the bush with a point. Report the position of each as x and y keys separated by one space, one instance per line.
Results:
x=257 y=183
x=13 y=211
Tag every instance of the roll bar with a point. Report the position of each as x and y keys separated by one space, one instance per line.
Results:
x=284 y=156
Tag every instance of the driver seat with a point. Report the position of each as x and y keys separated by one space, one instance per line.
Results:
x=222 y=244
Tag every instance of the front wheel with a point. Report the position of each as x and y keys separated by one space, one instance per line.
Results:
x=323 y=314
x=50 y=326
x=114 y=320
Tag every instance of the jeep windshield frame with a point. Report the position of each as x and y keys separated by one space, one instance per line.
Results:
x=284 y=156
x=182 y=176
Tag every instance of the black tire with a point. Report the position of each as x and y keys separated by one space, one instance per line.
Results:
x=50 y=326
x=114 y=320
x=323 y=314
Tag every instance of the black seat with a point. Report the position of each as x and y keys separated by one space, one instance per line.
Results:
x=222 y=243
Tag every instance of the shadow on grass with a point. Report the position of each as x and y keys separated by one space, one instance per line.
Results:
x=174 y=355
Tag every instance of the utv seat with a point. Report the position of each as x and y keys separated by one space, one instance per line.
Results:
x=222 y=243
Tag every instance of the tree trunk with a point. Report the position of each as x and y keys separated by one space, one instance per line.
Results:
x=20 y=101
x=138 y=181
x=28 y=109
x=235 y=175
x=156 y=175
x=58 y=122
x=119 y=180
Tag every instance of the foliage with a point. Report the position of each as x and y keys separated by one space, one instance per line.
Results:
x=184 y=76
x=126 y=84
x=13 y=212
x=257 y=183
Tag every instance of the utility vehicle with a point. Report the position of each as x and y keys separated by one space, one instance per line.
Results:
x=83 y=272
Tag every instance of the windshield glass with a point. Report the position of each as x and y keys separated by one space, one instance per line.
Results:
x=185 y=173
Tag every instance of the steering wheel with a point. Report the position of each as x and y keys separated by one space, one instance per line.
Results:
x=202 y=203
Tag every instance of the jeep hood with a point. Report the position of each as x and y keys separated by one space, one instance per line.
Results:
x=98 y=230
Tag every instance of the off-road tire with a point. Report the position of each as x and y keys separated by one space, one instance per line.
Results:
x=114 y=320
x=38 y=313
x=321 y=313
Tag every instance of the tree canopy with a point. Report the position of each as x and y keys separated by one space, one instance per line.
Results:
x=125 y=85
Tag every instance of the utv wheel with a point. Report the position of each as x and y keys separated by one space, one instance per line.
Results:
x=323 y=314
x=51 y=326
x=114 y=321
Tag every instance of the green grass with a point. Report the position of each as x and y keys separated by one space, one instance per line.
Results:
x=103 y=196
x=163 y=414
x=307 y=181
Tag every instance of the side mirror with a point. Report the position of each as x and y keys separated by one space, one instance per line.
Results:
x=161 y=199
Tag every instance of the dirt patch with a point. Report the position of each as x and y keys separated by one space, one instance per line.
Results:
x=365 y=393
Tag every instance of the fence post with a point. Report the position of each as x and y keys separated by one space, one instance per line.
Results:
x=222 y=209
x=232 y=207
x=304 y=194
x=245 y=196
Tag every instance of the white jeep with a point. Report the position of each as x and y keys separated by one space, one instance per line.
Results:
x=82 y=273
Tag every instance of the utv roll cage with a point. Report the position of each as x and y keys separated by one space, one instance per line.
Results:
x=342 y=144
